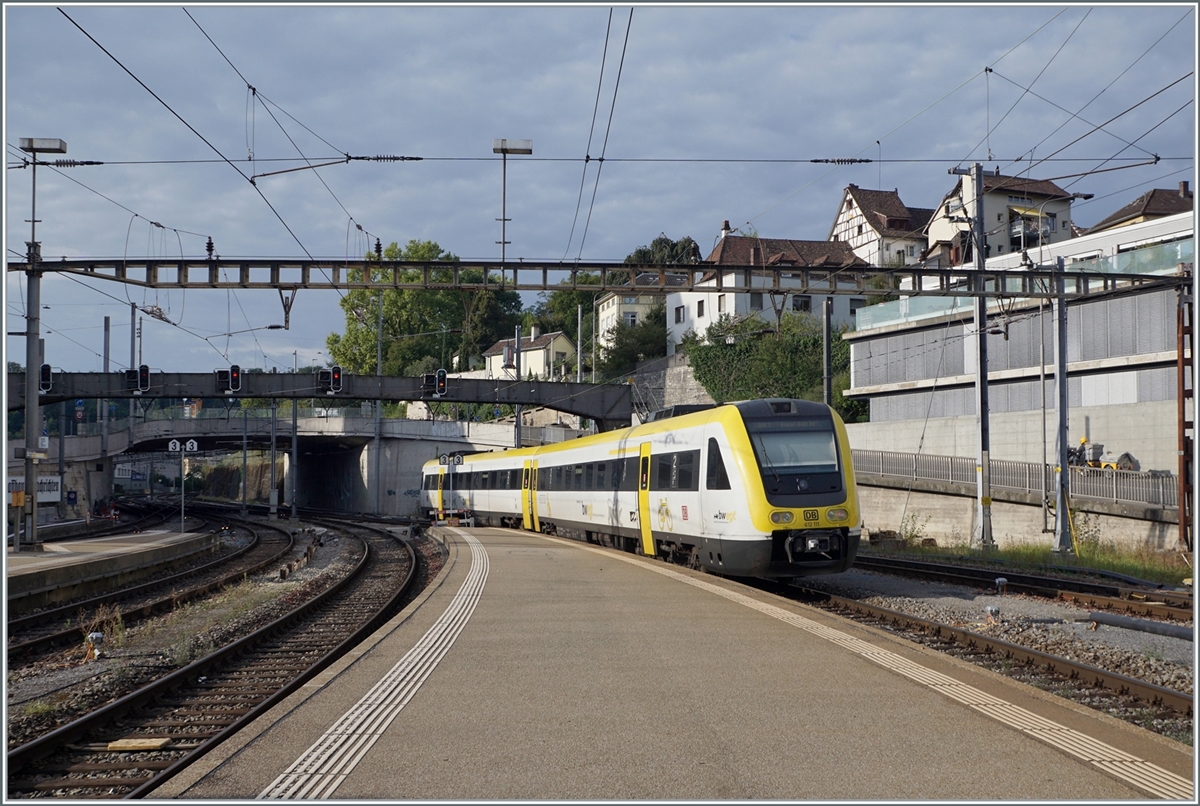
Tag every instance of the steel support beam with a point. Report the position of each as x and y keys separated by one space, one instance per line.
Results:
x=609 y=405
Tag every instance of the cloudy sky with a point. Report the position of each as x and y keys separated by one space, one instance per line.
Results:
x=702 y=114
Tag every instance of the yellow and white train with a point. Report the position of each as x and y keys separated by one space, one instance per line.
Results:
x=761 y=488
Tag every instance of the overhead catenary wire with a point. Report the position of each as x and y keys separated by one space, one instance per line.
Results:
x=1041 y=72
x=607 y=131
x=591 y=131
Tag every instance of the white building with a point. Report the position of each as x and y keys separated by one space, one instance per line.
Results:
x=879 y=227
x=1018 y=214
x=696 y=311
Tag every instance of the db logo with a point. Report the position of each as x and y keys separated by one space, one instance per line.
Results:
x=811 y=515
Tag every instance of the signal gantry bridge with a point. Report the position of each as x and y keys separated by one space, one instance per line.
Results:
x=346 y=275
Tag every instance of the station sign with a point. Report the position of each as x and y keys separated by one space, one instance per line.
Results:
x=49 y=489
x=191 y=446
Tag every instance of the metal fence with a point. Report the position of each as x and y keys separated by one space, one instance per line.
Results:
x=1122 y=486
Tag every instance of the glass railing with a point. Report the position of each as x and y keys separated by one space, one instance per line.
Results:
x=1157 y=259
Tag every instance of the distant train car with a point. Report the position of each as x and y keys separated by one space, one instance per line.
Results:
x=761 y=488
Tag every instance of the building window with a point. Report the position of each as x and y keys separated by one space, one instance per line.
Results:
x=855 y=304
x=678 y=314
x=756 y=301
x=631 y=318
x=720 y=303
x=629 y=300
x=860 y=226
x=700 y=309
x=802 y=304
x=912 y=250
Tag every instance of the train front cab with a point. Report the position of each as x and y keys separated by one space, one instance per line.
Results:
x=808 y=499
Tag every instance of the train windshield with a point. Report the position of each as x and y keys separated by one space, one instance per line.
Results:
x=795 y=446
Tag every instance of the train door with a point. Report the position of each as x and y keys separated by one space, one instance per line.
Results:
x=533 y=505
x=644 y=499
x=439 y=500
x=526 y=519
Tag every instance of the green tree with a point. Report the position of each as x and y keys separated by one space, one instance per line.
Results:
x=662 y=251
x=748 y=359
x=633 y=343
x=422 y=328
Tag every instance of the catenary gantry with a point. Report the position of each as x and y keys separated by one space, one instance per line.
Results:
x=345 y=275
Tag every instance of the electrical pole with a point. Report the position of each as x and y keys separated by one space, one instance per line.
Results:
x=517 y=370
x=1062 y=516
x=982 y=536
x=826 y=349
x=33 y=413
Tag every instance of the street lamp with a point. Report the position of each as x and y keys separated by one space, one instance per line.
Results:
x=1042 y=207
x=504 y=147
x=33 y=146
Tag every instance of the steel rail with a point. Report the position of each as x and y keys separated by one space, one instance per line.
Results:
x=1120 y=684
x=145 y=610
x=29 y=753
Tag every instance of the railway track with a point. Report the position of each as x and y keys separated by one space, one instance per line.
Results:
x=132 y=745
x=30 y=636
x=974 y=646
x=1170 y=605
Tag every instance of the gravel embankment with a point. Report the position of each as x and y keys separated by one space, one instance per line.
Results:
x=1058 y=628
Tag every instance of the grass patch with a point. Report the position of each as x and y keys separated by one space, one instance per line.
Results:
x=1166 y=567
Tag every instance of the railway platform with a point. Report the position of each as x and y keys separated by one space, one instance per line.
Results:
x=535 y=667
x=65 y=570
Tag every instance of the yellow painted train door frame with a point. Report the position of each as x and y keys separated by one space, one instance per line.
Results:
x=533 y=510
x=526 y=521
x=441 y=506
x=644 y=499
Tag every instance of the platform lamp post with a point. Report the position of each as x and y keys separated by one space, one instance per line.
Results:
x=33 y=146
x=504 y=147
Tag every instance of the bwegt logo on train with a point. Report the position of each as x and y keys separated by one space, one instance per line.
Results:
x=812 y=515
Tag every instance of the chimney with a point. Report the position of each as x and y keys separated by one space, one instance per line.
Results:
x=725 y=230
x=534 y=332
x=756 y=255
x=1184 y=193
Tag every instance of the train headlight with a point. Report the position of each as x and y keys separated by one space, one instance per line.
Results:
x=782 y=517
x=837 y=515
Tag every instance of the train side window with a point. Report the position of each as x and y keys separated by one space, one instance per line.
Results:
x=558 y=478
x=589 y=476
x=600 y=476
x=578 y=477
x=716 y=478
x=684 y=474
x=629 y=481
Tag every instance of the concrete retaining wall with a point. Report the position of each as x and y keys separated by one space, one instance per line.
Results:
x=950 y=519
x=1148 y=431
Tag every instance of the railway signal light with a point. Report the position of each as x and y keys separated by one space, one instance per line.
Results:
x=441 y=383
x=235 y=378
x=335 y=380
x=143 y=378
x=325 y=380
x=46 y=378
